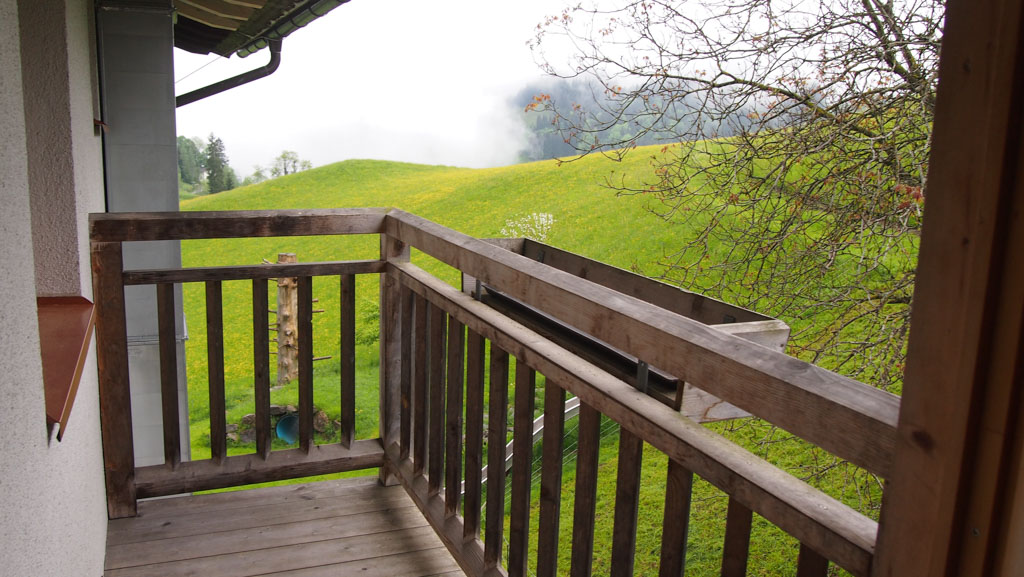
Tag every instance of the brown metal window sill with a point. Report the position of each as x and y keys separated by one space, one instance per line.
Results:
x=65 y=329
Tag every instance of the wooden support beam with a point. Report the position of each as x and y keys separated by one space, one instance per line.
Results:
x=948 y=506
x=203 y=17
x=248 y=3
x=220 y=8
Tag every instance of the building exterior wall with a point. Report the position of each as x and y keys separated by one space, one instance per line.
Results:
x=54 y=518
x=48 y=132
x=141 y=158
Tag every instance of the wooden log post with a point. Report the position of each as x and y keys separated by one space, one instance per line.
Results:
x=287 y=327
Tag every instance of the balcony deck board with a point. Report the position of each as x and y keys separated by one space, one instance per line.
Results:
x=351 y=526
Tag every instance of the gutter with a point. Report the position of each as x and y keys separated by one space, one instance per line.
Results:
x=299 y=18
x=235 y=81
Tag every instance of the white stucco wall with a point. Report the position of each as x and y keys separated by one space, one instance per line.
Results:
x=86 y=142
x=48 y=131
x=53 y=521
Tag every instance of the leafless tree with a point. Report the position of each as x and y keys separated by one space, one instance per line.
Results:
x=796 y=137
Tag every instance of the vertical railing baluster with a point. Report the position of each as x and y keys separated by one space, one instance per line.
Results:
x=392 y=251
x=168 y=374
x=497 y=427
x=304 y=323
x=810 y=563
x=453 y=422
x=112 y=367
x=347 y=303
x=676 y=522
x=627 y=501
x=405 y=386
x=522 y=470
x=420 y=397
x=550 y=480
x=436 y=426
x=474 y=434
x=215 y=369
x=627 y=493
x=585 y=496
x=736 y=548
x=261 y=365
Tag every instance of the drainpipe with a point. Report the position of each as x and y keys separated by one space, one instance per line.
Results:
x=235 y=81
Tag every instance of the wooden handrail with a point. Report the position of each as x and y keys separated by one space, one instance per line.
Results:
x=428 y=329
x=827 y=525
x=125 y=482
x=138 y=226
x=845 y=417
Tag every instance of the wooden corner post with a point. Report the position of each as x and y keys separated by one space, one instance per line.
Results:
x=391 y=250
x=114 y=391
x=954 y=503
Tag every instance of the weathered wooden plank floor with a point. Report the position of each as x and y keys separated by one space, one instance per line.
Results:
x=347 y=527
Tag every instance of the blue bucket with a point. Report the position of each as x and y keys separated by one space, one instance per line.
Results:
x=288 y=429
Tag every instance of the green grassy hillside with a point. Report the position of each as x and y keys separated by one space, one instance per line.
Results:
x=588 y=219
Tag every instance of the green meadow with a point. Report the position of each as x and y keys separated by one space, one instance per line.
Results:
x=588 y=219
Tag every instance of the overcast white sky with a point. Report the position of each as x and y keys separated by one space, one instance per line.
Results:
x=389 y=79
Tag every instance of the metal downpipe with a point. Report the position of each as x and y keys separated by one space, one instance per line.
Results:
x=235 y=81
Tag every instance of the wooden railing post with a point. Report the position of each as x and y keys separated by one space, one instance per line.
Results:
x=391 y=250
x=112 y=364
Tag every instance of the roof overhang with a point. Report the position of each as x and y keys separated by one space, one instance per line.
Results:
x=227 y=27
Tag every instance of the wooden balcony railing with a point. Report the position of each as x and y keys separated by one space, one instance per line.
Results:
x=434 y=384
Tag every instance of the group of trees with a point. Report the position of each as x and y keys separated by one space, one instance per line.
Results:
x=795 y=139
x=203 y=166
x=288 y=162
